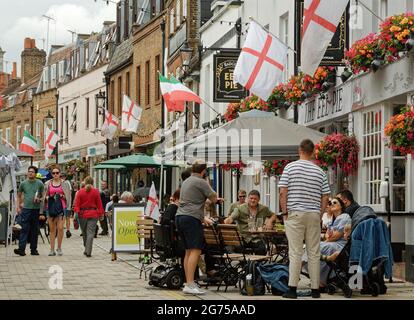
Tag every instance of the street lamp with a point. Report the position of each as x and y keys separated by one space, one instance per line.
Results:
x=100 y=99
x=186 y=53
x=49 y=120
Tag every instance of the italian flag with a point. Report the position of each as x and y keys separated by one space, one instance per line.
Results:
x=175 y=94
x=28 y=144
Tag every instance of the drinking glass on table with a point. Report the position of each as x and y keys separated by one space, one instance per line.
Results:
x=251 y=224
x=259 y=224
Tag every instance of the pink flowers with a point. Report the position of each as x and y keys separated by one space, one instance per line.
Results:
x=338 y=151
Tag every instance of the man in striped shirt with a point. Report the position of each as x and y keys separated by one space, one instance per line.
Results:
x=304 y=194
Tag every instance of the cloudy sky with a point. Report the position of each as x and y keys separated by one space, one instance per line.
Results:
x=23 y=18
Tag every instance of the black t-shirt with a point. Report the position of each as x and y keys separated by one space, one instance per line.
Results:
x=105 y=198
x=169 y=214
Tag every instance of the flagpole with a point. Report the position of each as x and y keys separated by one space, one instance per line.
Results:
x=209 y=106
x=268 y=31
x=204 y=103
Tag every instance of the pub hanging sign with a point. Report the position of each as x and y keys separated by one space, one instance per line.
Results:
x=335 y=53
x=225 y=90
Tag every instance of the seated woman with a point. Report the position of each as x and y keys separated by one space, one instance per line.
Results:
x=333 y=256
x=333 y=240
x=168 y=217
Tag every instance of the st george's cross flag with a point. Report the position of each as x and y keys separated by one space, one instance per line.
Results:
x=110 y=126
x=152 y=209
x=131 y=115
x=50 y=143
x=28 y=144
x=166 y=89
x=261 y=63
x=320 y=20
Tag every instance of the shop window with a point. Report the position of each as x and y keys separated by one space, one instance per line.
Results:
x=372 y=154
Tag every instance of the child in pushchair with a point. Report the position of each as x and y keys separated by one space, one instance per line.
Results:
x=368 y=249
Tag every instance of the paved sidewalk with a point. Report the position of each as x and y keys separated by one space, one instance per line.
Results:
x=98 y=278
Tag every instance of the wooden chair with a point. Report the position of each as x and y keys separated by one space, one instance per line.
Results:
x=230 y=237
x=145 y=228
x=228 y=274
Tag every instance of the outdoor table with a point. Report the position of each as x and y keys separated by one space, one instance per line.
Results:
x=278 y=239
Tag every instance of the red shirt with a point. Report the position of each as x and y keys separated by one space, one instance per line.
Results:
x=89 y=204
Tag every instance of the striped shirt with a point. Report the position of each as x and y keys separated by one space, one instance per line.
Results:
x=306 y=183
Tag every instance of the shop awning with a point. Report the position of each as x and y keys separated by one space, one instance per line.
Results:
x=102 y=166
x=254 y=136
x=138 y=160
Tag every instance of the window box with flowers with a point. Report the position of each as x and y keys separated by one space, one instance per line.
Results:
x=338 y=151
x=400 y=132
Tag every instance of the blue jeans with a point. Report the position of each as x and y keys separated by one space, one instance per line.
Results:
x=29 y=220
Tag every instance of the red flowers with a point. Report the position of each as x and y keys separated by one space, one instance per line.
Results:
x=247 y=104
x=338 y=151
x=400 y=132
x=236 y=167
x=394 y=33
x=275 y=168
x=360 y=56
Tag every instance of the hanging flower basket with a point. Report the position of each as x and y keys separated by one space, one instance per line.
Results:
x=275 y=167
x=400 y=132
x=236 y=168
x=250 y=103
x=74 y=167
x=338 y=151
x=394 y=33
x=301 y=87
x=362 y=53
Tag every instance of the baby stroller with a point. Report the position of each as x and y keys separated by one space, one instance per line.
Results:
x=369 y=249
x=169 y=251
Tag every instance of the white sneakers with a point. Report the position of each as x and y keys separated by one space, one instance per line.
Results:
x=58 y=252
x=192 y=288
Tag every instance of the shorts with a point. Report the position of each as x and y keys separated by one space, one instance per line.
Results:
x=191 y=231
x=67 y=213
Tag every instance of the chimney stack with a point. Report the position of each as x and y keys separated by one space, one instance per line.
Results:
x=33 y=60
x=14 y=72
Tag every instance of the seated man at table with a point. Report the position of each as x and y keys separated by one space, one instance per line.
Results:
x=252 y=211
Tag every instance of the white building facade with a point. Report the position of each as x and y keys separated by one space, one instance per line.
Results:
x=80 y=118
x=361 y=106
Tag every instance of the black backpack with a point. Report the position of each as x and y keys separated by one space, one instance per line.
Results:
x=259 y=288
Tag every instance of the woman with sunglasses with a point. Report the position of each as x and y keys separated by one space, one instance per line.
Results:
x=55 y=189
x=333 y=239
